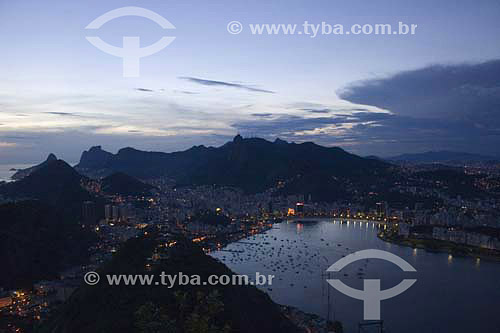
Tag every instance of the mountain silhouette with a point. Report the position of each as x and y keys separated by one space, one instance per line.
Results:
x=20 y=174
x=55 y=182
x=252 y=164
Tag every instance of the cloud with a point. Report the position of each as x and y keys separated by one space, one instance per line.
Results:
x=14 y=137
x=376 y=132
x=71 y=142
x=317 y=110
x=441 y=106
x=186 y=92
x=263 y=115
x=63 y=114
x=304 y=105
x=7 y=144
x=293 y=124
x=469 y=92
x=155 y=123
x=224 y=84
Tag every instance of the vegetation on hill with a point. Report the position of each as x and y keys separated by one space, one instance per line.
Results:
x=37 y=242
x=183 y=308
x=452 y=182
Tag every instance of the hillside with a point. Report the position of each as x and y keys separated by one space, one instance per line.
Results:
x=189 y=308
x=120 y=183
x=37 y=242
x=55 y=183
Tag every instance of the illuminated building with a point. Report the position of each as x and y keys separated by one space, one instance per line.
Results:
x=299 y=208
x=382 y=208
x=6 y=301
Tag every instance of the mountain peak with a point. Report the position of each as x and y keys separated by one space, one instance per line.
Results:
x=238 y=138
x=54 y=182
x=127 y=150
x=22 y=173
x=95 y=149
x=95 y=157
x=56 y=168
x=279 y=141
x=51 y=157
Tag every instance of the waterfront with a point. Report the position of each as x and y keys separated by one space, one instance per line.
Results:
x=452 y=294
x=6 y=170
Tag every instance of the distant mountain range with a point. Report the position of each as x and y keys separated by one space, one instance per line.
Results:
x=252 y=164
x=442 y=157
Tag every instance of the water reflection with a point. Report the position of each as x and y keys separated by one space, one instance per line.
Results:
x=298 y=254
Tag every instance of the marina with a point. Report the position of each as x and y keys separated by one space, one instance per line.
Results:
x=298 y=254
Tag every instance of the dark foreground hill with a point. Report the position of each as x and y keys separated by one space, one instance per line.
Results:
x=186 y=308
x=123 y=184
x=37 y=242
x=40 y=233
x=55 y=183
x=254 y=165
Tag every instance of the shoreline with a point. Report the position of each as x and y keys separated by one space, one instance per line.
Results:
x=438 y=246
x=218 y=245
x=308 y=322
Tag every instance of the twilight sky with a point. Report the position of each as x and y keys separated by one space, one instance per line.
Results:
x=370 y=94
